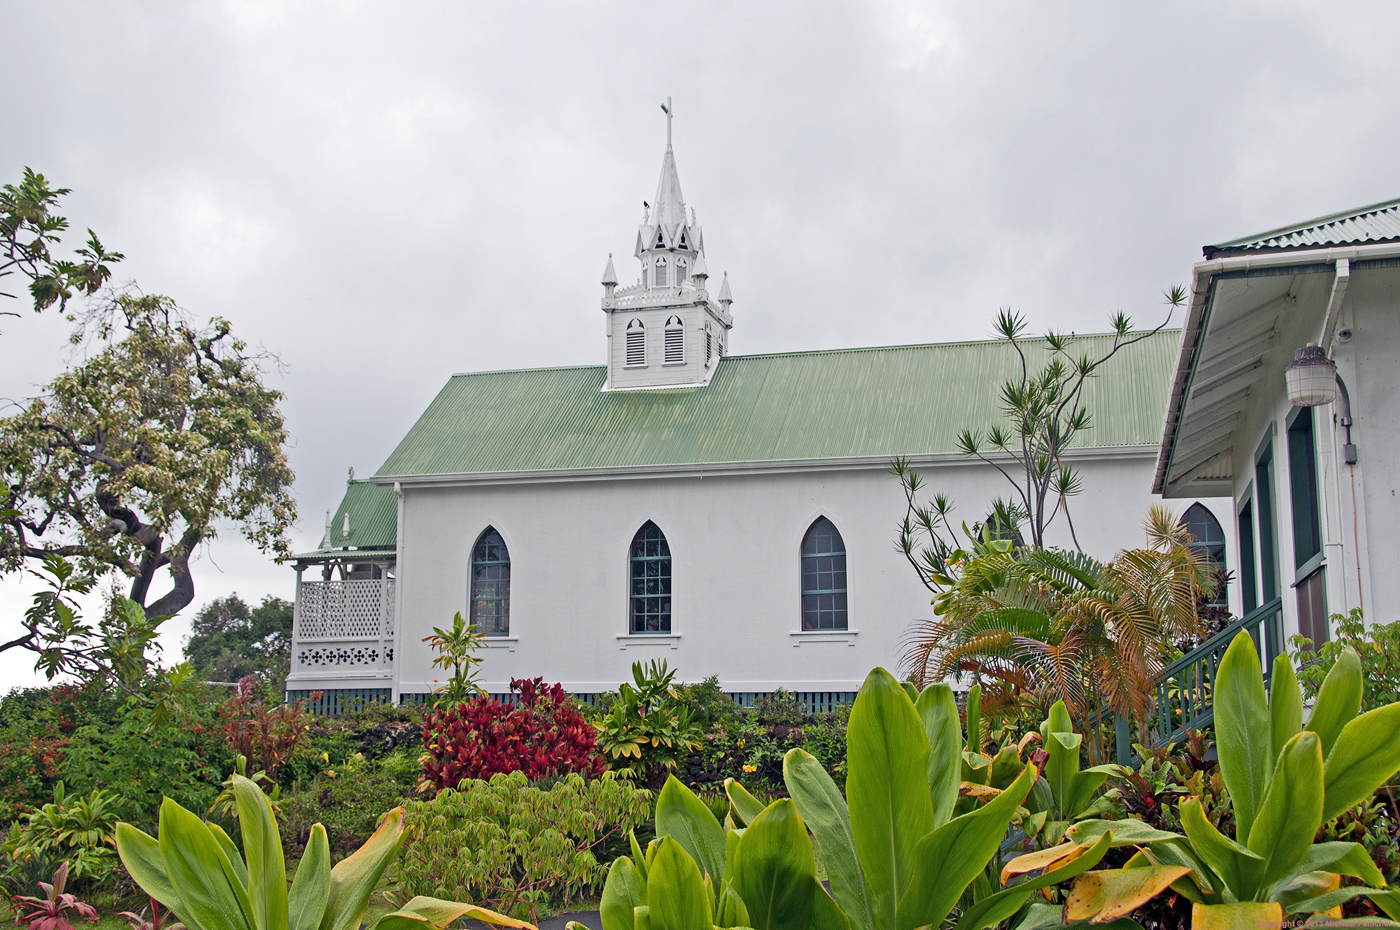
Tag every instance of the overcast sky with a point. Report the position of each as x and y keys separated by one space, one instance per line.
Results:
x=387 y=193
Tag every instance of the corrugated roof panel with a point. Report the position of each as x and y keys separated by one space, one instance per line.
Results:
x=374 y=517
x=1377 y=223
x=898 y=400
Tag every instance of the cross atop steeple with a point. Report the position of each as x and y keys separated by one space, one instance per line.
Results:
x=669 y=113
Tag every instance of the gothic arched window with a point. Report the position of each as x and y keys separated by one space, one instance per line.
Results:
x=490 y=607
x=650 y=571
x=680 y=271
x=675 y=340
x=636 y=344
x=823 y=577
x=1208 y=539
x=661 y=272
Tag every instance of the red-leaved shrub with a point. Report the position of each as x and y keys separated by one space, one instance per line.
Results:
x=540 y=735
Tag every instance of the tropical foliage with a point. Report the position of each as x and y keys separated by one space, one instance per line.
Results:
x=542 y=734
x=74 y=828
x=1038 y=625
x=51 y=911
x=896 y=852
x=196 y=872
x=1285 y=780
x=456 y=650
x=516 y=847
x=1377 y=646
x=648 y=728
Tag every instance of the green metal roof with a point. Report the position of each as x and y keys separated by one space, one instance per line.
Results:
x=1380 y=222
x=898 y=400
x=374 y=518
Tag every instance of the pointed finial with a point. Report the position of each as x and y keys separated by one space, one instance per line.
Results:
x=345 y=529
x=725 y=298
x=609 y=275
x=698 y=270
x=350 y=479
x=669 y=113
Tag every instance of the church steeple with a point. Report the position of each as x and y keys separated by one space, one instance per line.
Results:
x=669 y=305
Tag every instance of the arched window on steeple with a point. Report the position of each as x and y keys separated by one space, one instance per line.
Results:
x=680 y=271
x=675 y=341
x=1208 y=539
x=636 y=344
x=490 y=606
x=661 y=272
x=823 y=577
x=650 y=575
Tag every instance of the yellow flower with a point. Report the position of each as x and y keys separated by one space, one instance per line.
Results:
x=750 y=768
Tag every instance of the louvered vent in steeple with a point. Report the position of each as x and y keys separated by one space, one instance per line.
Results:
x=675 y=341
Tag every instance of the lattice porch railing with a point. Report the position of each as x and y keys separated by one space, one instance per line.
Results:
x=344 y=626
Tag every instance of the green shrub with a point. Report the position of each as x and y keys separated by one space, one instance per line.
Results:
x=71 y=827
x=647 y=730
x=146 y=755
x=515 y=847
x=1378 y=648
x=778 y=709
x=348 y=798
x=36 y=727
x=707 y=702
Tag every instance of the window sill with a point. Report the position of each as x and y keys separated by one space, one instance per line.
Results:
x=799 y=637
x=633 y=366
x=648 y=639
x=672 y=364
x=501 y=642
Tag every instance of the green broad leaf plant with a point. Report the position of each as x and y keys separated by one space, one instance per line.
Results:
x=194 y=871
x=897 y=854
x=1285 y=779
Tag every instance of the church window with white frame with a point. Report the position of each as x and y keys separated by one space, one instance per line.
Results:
x=680 y=271
x=649 y=564
x=823 y=577
x=661 y=272
x=490 y=604
x=675 y=341
x=636 y=344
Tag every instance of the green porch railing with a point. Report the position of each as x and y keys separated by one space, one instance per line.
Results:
x=1185 y=691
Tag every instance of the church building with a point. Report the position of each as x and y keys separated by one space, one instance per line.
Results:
x=735 y=515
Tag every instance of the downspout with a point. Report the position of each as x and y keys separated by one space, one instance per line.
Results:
x=394 y=692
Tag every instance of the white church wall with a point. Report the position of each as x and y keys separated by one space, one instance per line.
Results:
x=735 y=543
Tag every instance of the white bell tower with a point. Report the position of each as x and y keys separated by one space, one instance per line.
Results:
x=665 y=331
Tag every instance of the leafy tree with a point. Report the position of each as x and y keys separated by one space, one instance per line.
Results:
x=1045 y=413
x=29 y=230
x=228 y=641
x=128 y=459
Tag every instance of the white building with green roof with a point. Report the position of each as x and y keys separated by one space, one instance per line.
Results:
x=735 y=515
x=1284 y=397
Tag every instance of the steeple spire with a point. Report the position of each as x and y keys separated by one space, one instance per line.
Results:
x=665 y=331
